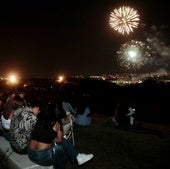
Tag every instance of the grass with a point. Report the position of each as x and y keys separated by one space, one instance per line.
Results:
x=122 y=149
x=128 y=148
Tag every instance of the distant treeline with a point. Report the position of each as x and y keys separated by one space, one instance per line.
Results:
x=150 y=98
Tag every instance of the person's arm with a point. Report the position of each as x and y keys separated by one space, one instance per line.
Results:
x=58 y=128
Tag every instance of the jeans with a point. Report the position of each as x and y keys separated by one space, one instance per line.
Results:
x=55 y=155
x=69 y=149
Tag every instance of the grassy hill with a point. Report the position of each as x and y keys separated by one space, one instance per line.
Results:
x=126 y=148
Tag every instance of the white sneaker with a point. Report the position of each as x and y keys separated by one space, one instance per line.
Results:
x=83 y=158
x=131 y=111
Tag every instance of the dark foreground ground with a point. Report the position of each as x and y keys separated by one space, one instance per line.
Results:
x=123 y=148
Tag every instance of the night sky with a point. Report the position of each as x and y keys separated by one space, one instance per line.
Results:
x=44 y=38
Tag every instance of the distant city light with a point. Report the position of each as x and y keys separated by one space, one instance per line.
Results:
x=12 y=79
x=60 y=78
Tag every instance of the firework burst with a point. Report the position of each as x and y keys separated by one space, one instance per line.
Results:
x=134 y=54
x=124 y=19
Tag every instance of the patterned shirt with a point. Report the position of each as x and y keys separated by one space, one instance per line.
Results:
x=22 y=124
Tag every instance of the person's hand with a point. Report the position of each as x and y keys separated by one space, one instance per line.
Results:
x=72 y=117
x=59 y=130
x=58 y=127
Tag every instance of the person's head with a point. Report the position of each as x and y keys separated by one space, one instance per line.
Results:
x=21 y=93
x=52 y=112
x=12 y=105
x=17 y=101
x=49 y=116
x=35 y=106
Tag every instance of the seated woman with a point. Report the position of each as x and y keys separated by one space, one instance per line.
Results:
x=22 y=124
x=48 y=146
x=7 y=113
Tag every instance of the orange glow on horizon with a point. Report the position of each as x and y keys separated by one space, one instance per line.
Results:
x=12 y=79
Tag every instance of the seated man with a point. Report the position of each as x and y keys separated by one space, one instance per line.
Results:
x=83 y=119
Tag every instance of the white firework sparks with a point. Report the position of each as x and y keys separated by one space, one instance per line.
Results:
x=124 y=19
x=134 y=54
